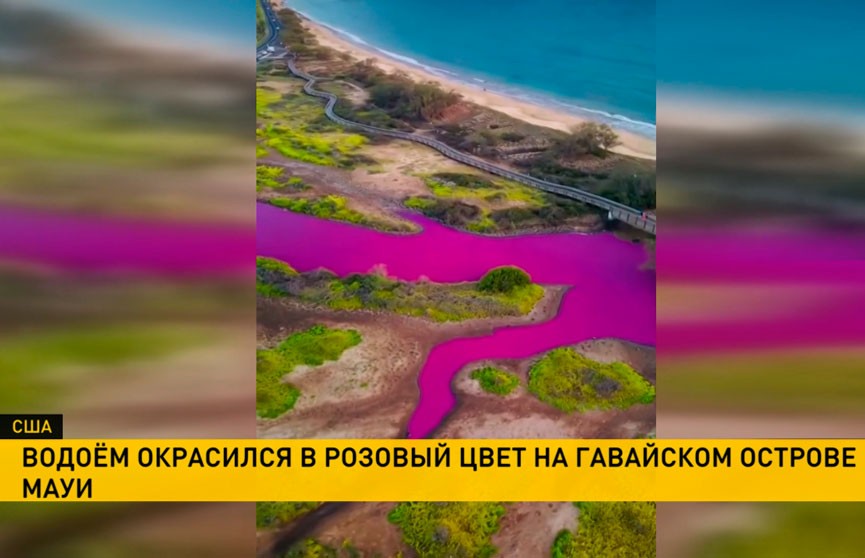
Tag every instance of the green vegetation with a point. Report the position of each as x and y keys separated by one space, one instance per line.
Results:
x=494 y=380
x=628 y=181
x=571 y=382
x=36 y=365
x=620 y=529
x=477 y=204
x=446 y=530
x=43 y=122
x=792 y=529
x=294 y=126
x=327 y=207
x=468 y=216
x=298 y=39
x=266 y=268
x=275 y=514
x=439 y=302
x=312 y=347
x=589 y=138
x=273 y=178
x=260 y=22
x=407 y=100
x=467 y=186
x=395 y=99
x=504 y=279
x=811 y=380
x=335 y=208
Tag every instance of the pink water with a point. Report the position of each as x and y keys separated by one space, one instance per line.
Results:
x=827 y=266
x=80 y=243
x=609 y=295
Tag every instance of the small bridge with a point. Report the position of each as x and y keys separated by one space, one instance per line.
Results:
x=615 y=210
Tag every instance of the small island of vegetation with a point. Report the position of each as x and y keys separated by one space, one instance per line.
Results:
x=495 y=380
x=502 y=292
x=572 y=382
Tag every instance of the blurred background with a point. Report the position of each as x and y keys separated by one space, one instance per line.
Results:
x=127 y=232
x=126 y=228
x=761 y=258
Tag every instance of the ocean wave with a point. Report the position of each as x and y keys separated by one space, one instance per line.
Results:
x=441 y=72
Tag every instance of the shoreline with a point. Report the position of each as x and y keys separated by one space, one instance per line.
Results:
x=632 y=144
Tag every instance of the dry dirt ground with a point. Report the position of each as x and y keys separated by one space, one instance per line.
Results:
x=526 y=530
x=371 y=391
x=479 y=414
x=529 y=528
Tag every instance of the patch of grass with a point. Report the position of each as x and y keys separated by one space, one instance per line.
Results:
x=494 y=380
x=260 y=23
x=311 y=548
x=336 y=208
x=471 y=186
x=294 y=126
x=269 y=515
x=268 y=177
x=620 y=529
x=571 y=382
x=445 y=530
x=55 y=135
x=36 y=366
x=810 y=380
x=266 y=268
x=473 y=215
x=326 y=207
x=793 y=529
x=312 y=347
x=435 y=301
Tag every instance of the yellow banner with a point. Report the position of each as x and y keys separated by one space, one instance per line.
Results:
x=432 y=470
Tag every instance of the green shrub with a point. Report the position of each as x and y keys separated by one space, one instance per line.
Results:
x=621 y=529
x=275 y=514
x=504 y=280
x=495 y=380
x=446 y=530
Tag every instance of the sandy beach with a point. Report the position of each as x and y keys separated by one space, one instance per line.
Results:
x=632 y=144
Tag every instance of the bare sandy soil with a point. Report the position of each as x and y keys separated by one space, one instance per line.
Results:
x=526 y=530
x=529 y=528
x=365 y=524
x=370 y=197
x=359 y=396
x=479 y=414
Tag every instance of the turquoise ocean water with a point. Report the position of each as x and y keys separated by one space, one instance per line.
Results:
x=590 y=57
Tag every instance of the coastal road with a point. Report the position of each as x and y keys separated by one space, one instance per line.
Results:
x=263 y=51
x=615 y=210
